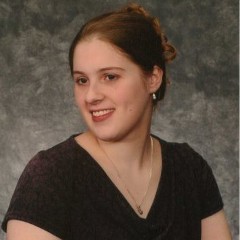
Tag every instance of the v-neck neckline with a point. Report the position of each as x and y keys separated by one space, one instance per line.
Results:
x=123 y=201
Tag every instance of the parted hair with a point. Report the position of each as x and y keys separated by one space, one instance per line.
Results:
x=135 y=33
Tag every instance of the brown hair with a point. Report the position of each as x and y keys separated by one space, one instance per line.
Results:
x=135 y=33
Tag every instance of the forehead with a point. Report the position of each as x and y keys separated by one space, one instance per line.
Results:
x=96 y=53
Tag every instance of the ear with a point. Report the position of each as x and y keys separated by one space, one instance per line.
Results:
x=155 y=79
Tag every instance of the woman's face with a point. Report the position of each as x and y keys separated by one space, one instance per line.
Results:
x=111 y=91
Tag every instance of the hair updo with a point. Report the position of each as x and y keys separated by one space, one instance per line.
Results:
x=136 y=34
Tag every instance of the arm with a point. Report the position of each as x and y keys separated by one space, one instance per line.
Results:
x=40 y=198
x=25 y=231
x=215 y=227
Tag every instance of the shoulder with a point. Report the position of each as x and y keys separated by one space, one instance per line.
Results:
x=43 y=193
x=194 y=177
x=64 y=153
x=65 y=150
x=182 y=154
x=186 y=162
x=55 y=162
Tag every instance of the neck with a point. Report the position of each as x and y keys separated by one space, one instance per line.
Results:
x=128 y=154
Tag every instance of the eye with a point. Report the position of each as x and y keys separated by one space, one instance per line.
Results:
x=81 y=80
x=111 y=77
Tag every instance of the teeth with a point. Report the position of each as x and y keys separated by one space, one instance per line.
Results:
x=101 y=113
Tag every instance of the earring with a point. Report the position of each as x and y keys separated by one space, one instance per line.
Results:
x=154 y=96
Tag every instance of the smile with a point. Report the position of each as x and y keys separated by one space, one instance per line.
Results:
x=101 y=112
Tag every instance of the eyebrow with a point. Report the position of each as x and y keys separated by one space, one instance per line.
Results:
x=101 y=70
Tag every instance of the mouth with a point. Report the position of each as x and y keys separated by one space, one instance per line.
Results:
x=101 y=112
x=101 y=115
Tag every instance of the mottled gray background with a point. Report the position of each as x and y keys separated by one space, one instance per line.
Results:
x=36 y=100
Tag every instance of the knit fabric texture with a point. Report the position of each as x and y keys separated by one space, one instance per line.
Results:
x=64 y=191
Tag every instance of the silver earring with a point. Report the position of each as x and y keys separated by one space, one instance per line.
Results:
x=154 y=96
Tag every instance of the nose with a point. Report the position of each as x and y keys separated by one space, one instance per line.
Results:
x=94 y=93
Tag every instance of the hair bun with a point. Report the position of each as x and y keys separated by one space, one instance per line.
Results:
x=169 y=52
x=135 y=8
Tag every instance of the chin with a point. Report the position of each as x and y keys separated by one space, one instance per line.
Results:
x=106 y=135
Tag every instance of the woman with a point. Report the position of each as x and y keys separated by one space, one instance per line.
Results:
x=116 y=180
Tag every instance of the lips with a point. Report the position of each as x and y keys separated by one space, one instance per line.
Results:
x=101 y=115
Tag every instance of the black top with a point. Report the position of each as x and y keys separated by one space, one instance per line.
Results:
x=65 y=191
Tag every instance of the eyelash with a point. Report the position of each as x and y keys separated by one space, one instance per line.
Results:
x=107 y=77
x=78 y=80
x=112 y=77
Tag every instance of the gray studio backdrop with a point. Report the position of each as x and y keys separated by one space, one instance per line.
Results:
x=201 y=107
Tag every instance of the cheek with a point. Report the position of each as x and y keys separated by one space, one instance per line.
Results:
x=78 y=96
x=134 y=104
x=134 y=96
x=124 y=98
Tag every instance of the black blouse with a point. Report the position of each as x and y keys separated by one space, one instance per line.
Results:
x=64 y=191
